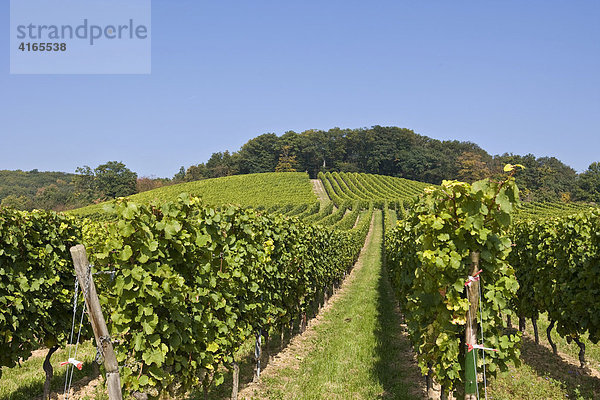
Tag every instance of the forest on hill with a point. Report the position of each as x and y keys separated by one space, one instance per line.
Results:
x=391 y=151
x=60 y=191
x=34 y=189
x=398 y=152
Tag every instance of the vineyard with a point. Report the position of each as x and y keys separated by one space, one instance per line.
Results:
x=254 y=190
x=557 y=263
x=204 y=280
x=186 y=282
x=539 y=210
x=365 y=188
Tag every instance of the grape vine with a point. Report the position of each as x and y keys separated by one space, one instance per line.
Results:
x=428 y=258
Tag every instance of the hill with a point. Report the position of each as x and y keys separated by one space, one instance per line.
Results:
x=35 y=189
x=253 y=190
x=399 y=152
x=379 y=150
x=291 y=193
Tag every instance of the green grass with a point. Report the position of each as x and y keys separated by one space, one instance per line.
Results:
x=542 y=375
x=358 y=351
x=592 y=351
x=268 y=189
x=27 y=381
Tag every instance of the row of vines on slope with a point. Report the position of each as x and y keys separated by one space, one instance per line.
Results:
x=366 y=188
x=557 y=262
x=192 y=283
x=428 y=256
x=352 y=187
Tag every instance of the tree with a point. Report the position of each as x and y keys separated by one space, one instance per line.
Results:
x=196 y=173
x=84 y=183
x=259 y=154
x=286 y=162
x=17 y=202
x=114 y=179
x=588 y=184
x=222 y=164
x=472 y=167
x=179 y=176
x=53 y=197
x=311 y=152
x=109 y=180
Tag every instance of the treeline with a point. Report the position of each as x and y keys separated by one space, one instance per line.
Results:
x=60 y=191
x=380 y=150
x=397 y=152
x=35 y=189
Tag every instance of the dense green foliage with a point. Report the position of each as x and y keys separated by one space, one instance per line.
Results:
x=428 y=258
x=378 y=150
x=107 y=181
x=204 y=280
x=192 y=284
x=34 y=189
x=311 y=209
x=589 y=184
x=255 y=190
x=36 y=281
x=557 y=262
x=350 y=218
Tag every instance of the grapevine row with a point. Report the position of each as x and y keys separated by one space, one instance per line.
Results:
x=36 y=281
x=192 y=284
x=429 y=255
x=557 y=262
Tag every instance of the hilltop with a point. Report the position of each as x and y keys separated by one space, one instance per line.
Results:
x=389 y=151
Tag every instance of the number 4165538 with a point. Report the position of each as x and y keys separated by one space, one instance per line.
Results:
x=43 y=46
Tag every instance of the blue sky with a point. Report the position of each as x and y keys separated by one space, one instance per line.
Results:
x=512 y=76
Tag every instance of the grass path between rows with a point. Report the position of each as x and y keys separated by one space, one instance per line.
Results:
x=319 y=190
x=354 y=349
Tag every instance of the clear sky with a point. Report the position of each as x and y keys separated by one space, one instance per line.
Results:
x=511 y=76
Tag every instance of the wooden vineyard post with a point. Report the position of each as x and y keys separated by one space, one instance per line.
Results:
x=84 y=276
x=471 y=331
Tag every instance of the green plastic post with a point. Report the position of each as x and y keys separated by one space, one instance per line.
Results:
x=471 y=372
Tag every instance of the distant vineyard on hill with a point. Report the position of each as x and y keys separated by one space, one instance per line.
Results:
x=291 y=193
x=253 y=190
x=543 y=210
x=351 y=187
